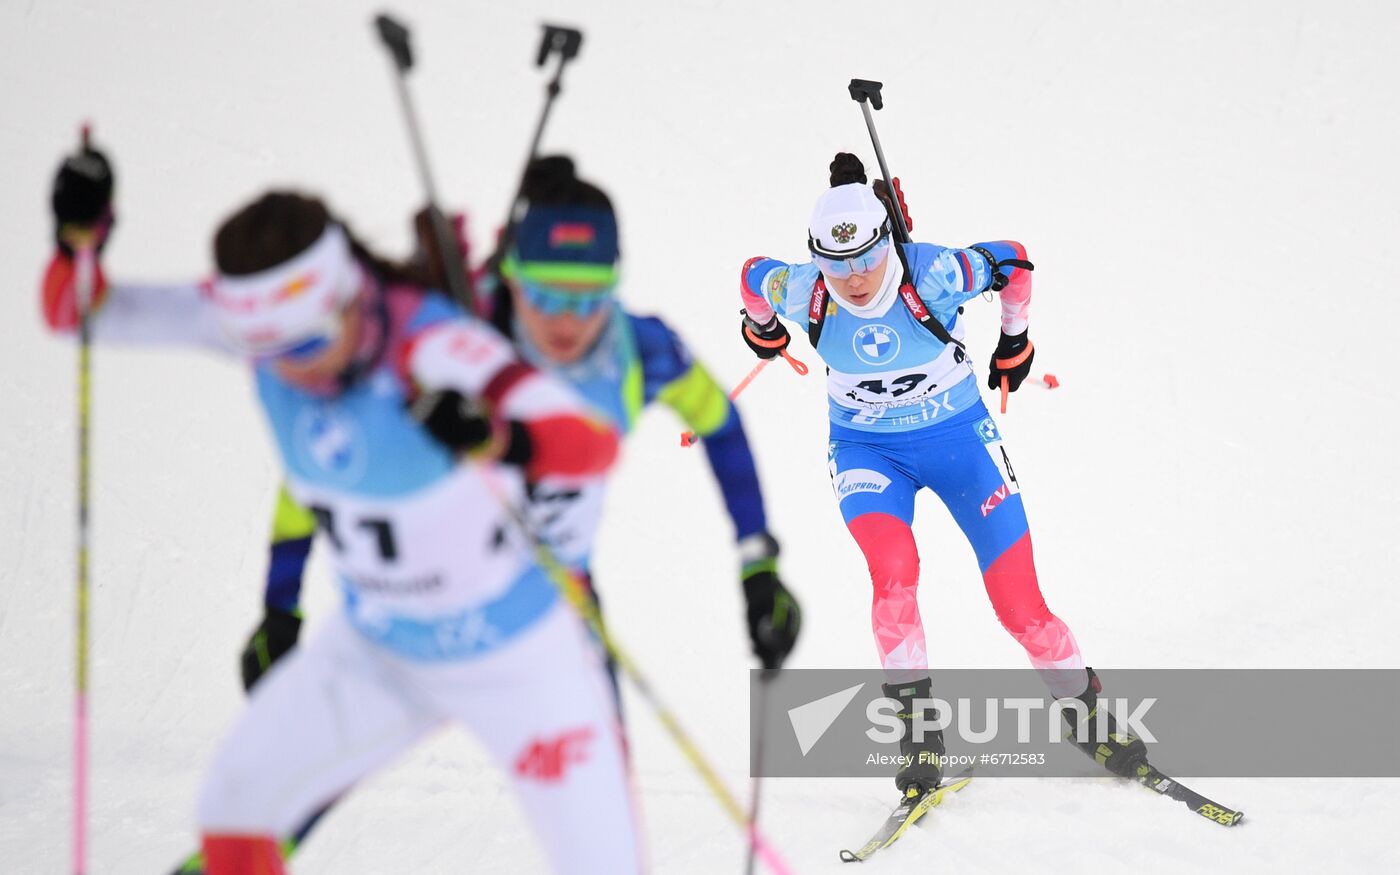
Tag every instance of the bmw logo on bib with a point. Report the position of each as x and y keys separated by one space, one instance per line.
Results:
x=333 y=444
x=875 y=344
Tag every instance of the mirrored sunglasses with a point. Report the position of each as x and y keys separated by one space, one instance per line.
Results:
x=867 y=261
x=553 y=300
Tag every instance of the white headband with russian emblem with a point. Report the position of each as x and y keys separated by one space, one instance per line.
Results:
x=847 y=221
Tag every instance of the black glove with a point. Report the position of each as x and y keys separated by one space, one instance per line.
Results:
x=773 y=615
x=774 y=618
x=463 y=426
x=1012 y=360
x=766 y=341
x=82 y=196
x=275 y=635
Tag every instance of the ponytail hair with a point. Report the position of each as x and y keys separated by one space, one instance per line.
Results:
x=552 y=181
x=846 y=169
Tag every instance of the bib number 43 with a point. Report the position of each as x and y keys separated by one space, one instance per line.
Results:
x=898 y=386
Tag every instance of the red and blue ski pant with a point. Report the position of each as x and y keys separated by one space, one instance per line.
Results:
x=962 y=460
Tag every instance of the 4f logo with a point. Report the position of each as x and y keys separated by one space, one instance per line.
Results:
x=548 y=759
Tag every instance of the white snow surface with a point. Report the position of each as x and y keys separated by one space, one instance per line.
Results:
x=1208 y=191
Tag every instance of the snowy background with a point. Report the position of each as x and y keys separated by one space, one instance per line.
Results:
x=1208 y=191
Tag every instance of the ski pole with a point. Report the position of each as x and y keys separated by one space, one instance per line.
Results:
x=85 y=251
x=395 y=37
x=565 y=43
x=756 y=766
x=690 y=438
x=867 y=94
x=574 y=593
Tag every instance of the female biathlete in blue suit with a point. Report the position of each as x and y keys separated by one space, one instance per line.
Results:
x=906 y=414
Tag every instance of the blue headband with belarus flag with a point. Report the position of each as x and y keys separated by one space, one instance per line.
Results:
x=564 y=246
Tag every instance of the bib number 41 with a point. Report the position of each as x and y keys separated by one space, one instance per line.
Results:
x=380 y=530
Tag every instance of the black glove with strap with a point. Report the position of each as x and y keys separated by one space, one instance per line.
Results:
x=1012 y=360
x=463 y=426
x=274 y=637
x=82 y=197
x=766 y=341
x=999 y=279
x=773 y=615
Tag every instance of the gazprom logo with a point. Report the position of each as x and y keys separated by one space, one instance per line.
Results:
x=875 y=344
x=859 y=480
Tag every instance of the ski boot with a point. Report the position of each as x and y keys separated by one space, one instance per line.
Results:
x=1123 y=753
x=923 y=770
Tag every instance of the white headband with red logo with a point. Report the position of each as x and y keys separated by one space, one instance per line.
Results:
x=271 y=311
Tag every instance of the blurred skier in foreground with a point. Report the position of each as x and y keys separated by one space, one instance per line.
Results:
x=906 y=414
x=376 y=391
x=553 y=295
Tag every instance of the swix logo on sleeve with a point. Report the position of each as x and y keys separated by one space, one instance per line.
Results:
x=548 y=759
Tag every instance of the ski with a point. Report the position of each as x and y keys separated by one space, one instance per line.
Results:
x=1153 y=779
x=905 y=815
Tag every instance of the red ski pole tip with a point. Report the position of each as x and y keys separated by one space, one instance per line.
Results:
x=1051 y=382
